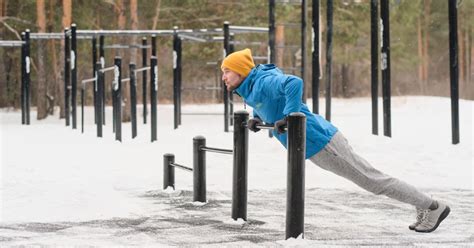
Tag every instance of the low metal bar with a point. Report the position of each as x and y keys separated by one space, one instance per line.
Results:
x=89 y=80
x=123 y=32
x=11 y=43
x=181 y=167
x=217 y=150
x=106 y=69
x=126 y=46
x=192 y=38
x=143 y=69
x=247 y=29
x=168 y=170
x=125 y=80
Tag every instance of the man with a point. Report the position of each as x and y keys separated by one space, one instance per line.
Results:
x=274 y=95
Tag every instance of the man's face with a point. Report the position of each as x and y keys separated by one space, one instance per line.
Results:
x=232 y=79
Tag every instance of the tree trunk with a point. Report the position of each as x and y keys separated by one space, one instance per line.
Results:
x=157 y=15
x=3 y=74
x=121 y=23
x=66 y=23
x=421 y=78
x=426 y=57
x=279 y=43
x=41 y=78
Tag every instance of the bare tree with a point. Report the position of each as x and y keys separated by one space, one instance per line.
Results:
x=41 y=79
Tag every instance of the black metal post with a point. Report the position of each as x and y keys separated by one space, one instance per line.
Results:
x=454 y=70
x=153 y=96
x=117 y=86
x=74 y=75
x=175 y=78
x=303 y=46
x=316 y=74
x=133 y=99
x=144 y=79
x=99 y=87
x=153 y=45
x=240 y=171
x=180 y=81
x=27 y=81
x=168 y=170
x=271 y=31
x=83 y=86
x=94 y=60
x=231 y=95
x=385 y=60
x=374 y=46
x=102 y=65
x=329 y=58
x=23 y=79
x=199 y=169
x=296 y=175
x=226 y=93
x=67 y=71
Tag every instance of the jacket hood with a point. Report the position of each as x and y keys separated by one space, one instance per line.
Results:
x=246 y=86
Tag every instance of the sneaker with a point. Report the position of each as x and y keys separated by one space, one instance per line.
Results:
x=420 y=213
x=433 y=218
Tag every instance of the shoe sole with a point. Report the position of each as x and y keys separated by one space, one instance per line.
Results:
x=443 y=216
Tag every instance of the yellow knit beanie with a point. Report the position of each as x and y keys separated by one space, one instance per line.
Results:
x=240 y=62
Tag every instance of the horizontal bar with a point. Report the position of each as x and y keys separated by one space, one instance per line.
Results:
x=11 y=43
x=43 y=36
x=211 y=63
x=181 y=167
x=193 y=38
x=123 y=32
x=248 y=43
x=120 y=46
x=267 y=126
x=107 y=69
x=288 y=1
x=217 y=150
x=246 y=29
x=143 y=69
x=89 y=80
x=260 y=58
x=125 y=80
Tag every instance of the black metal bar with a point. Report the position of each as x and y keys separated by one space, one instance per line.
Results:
x=99 y=87
x=374 y=46
x=94 y=60
x=27 y=78
x=118 y=98
x=303 y=46
x=271 y=31
x=231 y=95
x=154 y=96
x=133 y=99
x=454 y=70
x=102 y=63
x=226 y=93
x=185 y=168
x=82 y=106
x=144 y=79
x=240 y=170
x=217 y=150
x=153 y=45
x=316 y=74
x=67 y=71
x=385 y=60
x=296 y=175
x=74 y=75
x=168 y=170
x=329 y=58
x=23 y=79
x=180 y=77
x=199 y=169
x=175 y=79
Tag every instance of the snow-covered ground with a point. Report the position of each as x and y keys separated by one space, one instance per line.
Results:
x=59 y=187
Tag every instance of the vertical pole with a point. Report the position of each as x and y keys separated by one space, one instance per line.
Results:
x=94 y=60
x=99 y=87
x=329 y=59
x=199 y=169
x=239 y=175
x=117 y=87
x=180 y=81
x=316 y=74
x=303 y=46
x=374 y=19
x=23 y=79
x=231 y=95
x=385 y=60
x=271 y=31
x=296 y=177
x=133 y=99
x=226 y=94
x=175 y=78
x=74 y=75
x=153 y=96
x=27 y=81
x=83 y=86
x=454 y=70
x=144 y=79
x=67 y=72
x=102 y=65
x=168 y=170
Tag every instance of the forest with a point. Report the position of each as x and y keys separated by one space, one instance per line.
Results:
x=419 y=44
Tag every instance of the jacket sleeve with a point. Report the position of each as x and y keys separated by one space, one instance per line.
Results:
x=292 y=89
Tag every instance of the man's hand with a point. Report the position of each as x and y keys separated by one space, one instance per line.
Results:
x=252 y=124
x=280 y=126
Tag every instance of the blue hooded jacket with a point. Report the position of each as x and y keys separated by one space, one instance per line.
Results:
x=273 y=95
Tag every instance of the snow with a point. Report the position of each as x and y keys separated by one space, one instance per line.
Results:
x=60 y=187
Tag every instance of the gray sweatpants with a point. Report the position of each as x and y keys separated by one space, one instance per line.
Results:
x=338 y=157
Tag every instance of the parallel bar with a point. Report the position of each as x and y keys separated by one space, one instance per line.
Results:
x=181 y=167
x=82 y=33
x=48 y=36
x=125 y=46
x=217 y=150
x=168 y=170
x=11 y=43
x=454 y=70
x=329 y=16
x=199 y=169
x=247 y=29
x=192 y=38
x=374 y=69
x=385 y=61
x=315 y=66
x=240 y=166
